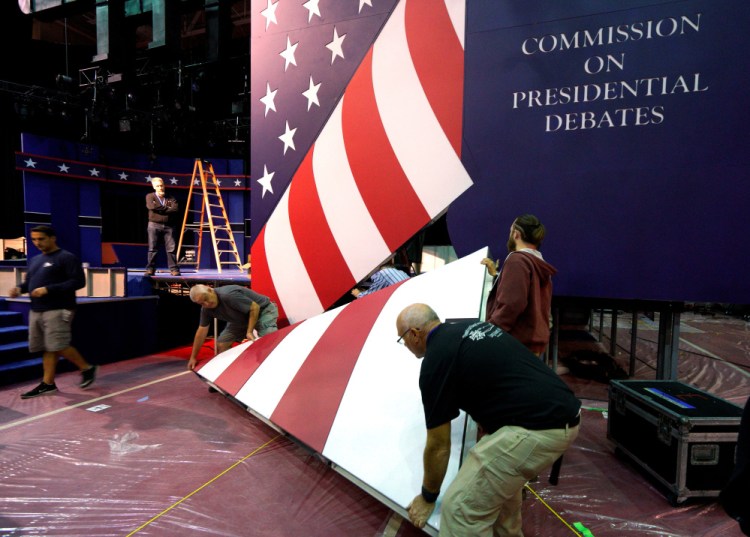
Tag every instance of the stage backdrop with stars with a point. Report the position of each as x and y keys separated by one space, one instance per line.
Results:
x=356 y=138
x=95 y=199
x=622 y=124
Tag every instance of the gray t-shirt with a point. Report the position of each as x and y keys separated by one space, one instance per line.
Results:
x=234 y=305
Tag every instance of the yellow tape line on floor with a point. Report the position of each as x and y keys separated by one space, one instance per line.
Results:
x=204 y=485
x=553 y=511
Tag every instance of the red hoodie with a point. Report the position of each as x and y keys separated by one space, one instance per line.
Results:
x=520 y=301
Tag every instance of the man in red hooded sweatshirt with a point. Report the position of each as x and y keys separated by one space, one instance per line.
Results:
x=521 y=296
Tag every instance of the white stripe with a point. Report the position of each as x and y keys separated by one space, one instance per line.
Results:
x=457 y=13
x=350 y=222
x=265 y=388
x=219 y=363
x=424 y=152
x=293 y=285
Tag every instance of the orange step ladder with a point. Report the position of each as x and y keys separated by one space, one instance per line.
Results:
x=210 y=218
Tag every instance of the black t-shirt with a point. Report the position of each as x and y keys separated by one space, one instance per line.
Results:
x=478 y=368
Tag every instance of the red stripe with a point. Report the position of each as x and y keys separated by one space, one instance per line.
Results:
x=395 y=207
x=326 y=267
x=261 y=281
x=310 y=403
x=242 y=368
x=439 y=61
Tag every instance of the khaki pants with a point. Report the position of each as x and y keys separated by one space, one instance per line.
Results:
x=485 y=498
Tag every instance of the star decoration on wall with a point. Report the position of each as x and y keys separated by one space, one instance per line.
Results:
x=288 y=54
x=270 y=13
x=288 y=138
x=335 y=45
x=265 y=181
x=312 y=7
x=268 y=99
x=311 y=94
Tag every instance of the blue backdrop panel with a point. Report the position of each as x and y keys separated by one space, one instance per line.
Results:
x=65 y=209
x=66 y=184
x=37 y=197
x=134 y=255
x=90 y=222
x=623 y=126
x=56 y=201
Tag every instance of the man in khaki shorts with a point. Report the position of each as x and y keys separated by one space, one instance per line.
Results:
x=52 y=280
x=529 y=415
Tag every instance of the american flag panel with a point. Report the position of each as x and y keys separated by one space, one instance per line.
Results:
x=346 y=173
x=340 y=383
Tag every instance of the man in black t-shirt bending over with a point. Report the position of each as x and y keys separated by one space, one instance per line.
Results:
x=530 y=416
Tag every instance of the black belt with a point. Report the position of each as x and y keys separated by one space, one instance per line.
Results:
x=570 y=423
x=573 y=422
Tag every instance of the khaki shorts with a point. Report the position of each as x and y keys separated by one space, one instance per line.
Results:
x=485 y=497
x=49 y=331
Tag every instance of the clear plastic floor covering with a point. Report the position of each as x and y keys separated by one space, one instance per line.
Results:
x=149 y=451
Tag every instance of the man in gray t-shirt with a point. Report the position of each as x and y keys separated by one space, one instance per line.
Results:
x=244 y=311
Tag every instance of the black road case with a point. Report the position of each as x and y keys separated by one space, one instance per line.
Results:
x=685 y=438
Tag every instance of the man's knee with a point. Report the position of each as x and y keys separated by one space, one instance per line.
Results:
x=458 y=520
x=263 y=330
x=222 y=346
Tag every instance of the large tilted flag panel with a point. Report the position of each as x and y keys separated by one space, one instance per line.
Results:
x=347 y=333
x=385 y=164
x=341 y=384
x=264 y=391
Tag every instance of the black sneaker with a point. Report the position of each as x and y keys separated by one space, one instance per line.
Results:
x=40 y=390
x=88 y=376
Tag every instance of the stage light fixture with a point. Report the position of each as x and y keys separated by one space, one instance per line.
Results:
x=64 y=82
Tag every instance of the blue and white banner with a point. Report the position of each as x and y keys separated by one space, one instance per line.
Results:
x=621 y=124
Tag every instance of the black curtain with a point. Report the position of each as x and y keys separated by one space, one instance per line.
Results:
x=11 y=182
x=16 y=32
